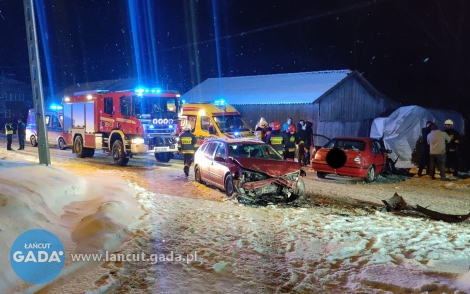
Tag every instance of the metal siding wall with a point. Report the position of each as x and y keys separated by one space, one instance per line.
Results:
x=351 y=102
x=276 y=112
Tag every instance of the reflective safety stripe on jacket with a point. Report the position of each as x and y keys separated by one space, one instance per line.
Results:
x=290 y=144
x=8 y=129
x=187 y=143
x=277 y=142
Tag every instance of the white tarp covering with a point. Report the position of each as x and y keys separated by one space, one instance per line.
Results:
x=402 y=129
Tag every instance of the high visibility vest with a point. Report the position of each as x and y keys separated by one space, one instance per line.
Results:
x=187 y=143
x=8 y=129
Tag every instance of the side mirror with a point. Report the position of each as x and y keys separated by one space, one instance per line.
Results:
x=387 y=151
x=219 y=159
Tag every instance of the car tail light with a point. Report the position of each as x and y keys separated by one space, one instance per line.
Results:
x=357 y=160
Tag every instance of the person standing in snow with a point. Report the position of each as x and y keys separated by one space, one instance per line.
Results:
x=276 y=138
x=424 y=160
x=21 y=131
x=291 y=140
x=9 y=131
x=285 y=126
x=452 y=147
x=437 y=141
x=187 y=144
x=260 y=131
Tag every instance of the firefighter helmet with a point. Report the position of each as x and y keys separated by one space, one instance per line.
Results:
x=187 y=127
x=448 y=122
x=291 y=129
x=276 y=126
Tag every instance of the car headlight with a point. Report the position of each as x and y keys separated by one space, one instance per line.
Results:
x=138 y=141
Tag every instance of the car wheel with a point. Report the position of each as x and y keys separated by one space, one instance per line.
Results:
x=119 y=154
x=34 y=141
x=163 y=157
x=229 y=187
x=300 y=189
x=78 y=147
x=370 y=175
x=90 y=152
x=197 y=176
x=389 y=169
x=61 y=144
x=321 y=175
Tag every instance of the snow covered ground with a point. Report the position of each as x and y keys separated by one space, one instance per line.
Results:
x=239 y=249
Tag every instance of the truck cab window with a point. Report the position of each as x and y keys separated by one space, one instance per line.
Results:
x=108 y=106
x=125 y=106
x=207 y=126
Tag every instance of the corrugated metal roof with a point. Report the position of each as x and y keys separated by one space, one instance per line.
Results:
x=304 y=87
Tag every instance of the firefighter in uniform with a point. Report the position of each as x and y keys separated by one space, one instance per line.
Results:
x=452 y=148
x=291 y=140
x=9 y=132
x=187 y=144
x=276 y=139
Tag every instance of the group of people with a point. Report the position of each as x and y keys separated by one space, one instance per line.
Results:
x=441 y=147
x=291 y=141
x=21 y=132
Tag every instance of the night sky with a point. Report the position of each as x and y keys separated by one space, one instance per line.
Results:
x=413 y=51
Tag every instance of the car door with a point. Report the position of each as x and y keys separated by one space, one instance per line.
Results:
x=54 y=129
x=207 y=162
x=378 y=156
x=218 y=166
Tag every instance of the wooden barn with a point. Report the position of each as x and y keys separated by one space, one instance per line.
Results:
x=338 y=103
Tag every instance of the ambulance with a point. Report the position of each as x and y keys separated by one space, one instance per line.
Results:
x=214 y=120
x=54 y=120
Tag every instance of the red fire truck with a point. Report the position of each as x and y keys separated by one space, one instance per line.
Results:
x=123 y=123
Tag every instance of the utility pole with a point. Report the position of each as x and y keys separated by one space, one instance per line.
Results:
x=36 y=82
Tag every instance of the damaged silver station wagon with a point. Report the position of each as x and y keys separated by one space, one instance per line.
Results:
x=249 y=168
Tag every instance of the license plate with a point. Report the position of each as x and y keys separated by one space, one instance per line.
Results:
x=161 y=149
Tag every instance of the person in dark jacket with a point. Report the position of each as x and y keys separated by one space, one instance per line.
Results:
x=291 y=140
x=21 y=131
x=424 y=160
x=9 y=131
x=301 y=143
x=187 y=144
x=308 y=142
x=276 y=138
x=452 y=148
x=267 y=132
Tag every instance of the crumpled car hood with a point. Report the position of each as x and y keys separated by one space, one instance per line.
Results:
x=273 y=168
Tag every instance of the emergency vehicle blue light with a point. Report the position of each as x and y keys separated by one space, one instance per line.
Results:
x=219 y=102
x=170 y=126
x=140 y=91
x=236 y=133
x=54 y=107
x=183 y=101
x=151 y=127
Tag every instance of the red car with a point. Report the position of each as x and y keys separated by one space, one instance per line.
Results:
x=249 y=167
x=365 y=158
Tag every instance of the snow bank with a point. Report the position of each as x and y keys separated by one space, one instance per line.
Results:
x=272 y=250
x=86 y=214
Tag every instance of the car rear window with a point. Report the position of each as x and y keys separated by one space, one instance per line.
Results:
x=355 y=145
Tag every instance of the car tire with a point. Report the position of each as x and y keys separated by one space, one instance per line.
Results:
x=300 y=189
x=78 y=147
x=61 y=144
x=389 y=168
x=163 y=157
x=321 y=175
x=33 y=141
x=90 y=152
x=119 y=154
x=370 y=175
x=197 y=176
x=229 y=187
